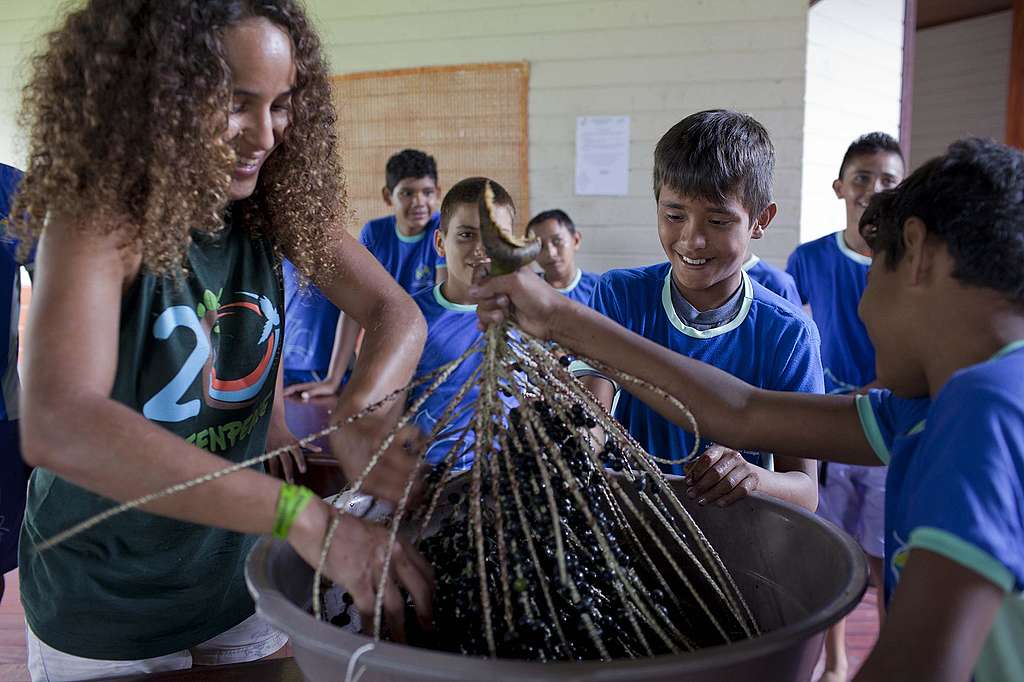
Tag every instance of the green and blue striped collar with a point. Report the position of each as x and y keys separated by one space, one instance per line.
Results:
x=445 y=303
x=670 y=310
x=410 y=239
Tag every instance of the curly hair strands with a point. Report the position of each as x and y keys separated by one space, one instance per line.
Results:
x=126 y=110
x=972 y=199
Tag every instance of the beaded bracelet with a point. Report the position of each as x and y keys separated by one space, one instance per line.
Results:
x=290 y=502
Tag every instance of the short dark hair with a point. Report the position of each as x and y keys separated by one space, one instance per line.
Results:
x=871 y=143
x=469 y=191
x=556 y=214
x=714 y=153
x=409 y=163
x=972 y=198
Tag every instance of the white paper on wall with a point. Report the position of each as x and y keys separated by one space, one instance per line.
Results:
x=602 y=155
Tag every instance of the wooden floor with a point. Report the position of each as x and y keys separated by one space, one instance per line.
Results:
x=861 y=631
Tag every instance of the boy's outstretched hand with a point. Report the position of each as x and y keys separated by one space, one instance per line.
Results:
x=521 y=297
x=313 y=389
x=721 y=476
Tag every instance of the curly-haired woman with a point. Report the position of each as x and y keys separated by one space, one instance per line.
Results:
x=178 y=149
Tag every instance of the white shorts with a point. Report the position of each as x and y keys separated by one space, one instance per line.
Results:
x=853 y=498
x=250 y=640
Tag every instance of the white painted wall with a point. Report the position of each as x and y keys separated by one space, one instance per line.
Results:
x=22 y=22
x=961 y=78
x=854 y=78
x=656 y=60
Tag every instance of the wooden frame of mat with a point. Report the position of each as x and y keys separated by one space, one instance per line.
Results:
x=472 y=118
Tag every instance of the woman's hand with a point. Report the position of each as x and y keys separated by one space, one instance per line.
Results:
x=353 y=445
x=721 y=476
x=521 y=297
x=356 y=562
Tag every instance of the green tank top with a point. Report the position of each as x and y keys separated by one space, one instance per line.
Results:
x=197 y=357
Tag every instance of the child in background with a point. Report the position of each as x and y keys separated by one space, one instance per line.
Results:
x=451 y=317
x=319 y=344
x=311 y=321
x=712 y=183
x=944 y=308
x=831 y=274
x=13 y=472
x=772 y=278
x=560 y=240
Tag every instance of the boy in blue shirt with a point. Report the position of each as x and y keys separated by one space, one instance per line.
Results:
x=13 y=472
x=772 y=278
x=560 y=240
x=712 y=183
x=831 y=274
x=451 y=317
x=319 y=343
x=944 y=308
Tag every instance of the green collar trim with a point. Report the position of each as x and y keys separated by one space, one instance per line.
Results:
x=870 y=426
x=850 y=253
x=409 y=239
x=670 y=310
x=1008 y=348
x=751 y=262
x=965 y=553
x=445 y=303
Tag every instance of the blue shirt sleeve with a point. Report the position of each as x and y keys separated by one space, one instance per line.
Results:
x=969 y=503
x=794 y=267
x=366 y=237
x=884 y=418
x=10 y=177
x=801 y=369
x=789 y=290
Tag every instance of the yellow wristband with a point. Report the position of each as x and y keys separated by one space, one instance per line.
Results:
x=290 y=502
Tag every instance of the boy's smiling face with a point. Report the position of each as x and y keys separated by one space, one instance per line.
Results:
x=706 y=242
x=863 y=177
x=413 y=200
x=460 y=244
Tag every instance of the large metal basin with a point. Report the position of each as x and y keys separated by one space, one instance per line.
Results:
x=798 y=573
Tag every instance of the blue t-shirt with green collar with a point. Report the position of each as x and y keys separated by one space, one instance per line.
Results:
x=412 y=261
x=451 y=331
x=312 y=318
x=831 y=278
x=581 y=288
x=769 y=343
x=955 y=487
